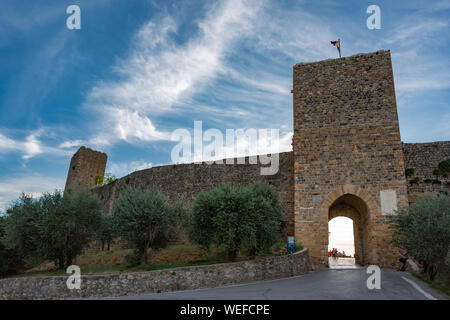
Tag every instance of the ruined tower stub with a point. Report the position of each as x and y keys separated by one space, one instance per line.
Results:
x=85 y=165
x=348 y=158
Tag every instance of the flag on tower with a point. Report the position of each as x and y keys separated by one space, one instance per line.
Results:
x=337 y=44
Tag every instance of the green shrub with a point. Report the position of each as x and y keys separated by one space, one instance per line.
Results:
x=102 y=179
x=409 y=172
x=144 y=219
x=21 y=230
x=444 y=168
x=68 y=223
x=10 y=261
x=54 y=227
x=416 y=180
x=105 y=233
x=237 y=217
x=424 y=231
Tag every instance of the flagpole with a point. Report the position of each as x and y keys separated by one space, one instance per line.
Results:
x=340 y=47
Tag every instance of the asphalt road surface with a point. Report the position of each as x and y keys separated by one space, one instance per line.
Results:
x=322 y=284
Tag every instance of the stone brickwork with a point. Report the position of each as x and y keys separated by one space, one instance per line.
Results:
x=85 y=165
x=185 y=181
x=347 y=149
x=424 y=158
x=347 y=160
x=185 y=278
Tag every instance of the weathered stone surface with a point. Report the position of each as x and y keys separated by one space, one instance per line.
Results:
x=347 y=149
x=85 y=165
x=347 y=159
x=185 y=278
x=424 y=158
x=185 y=181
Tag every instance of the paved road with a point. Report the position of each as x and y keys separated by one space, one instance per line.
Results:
x=323 y=284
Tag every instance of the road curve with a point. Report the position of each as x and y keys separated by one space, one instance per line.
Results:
x=322 y=284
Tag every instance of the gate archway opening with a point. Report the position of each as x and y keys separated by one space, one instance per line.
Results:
x=341 y=238
x=354 y=208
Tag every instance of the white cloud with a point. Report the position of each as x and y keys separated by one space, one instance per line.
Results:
x=416 y=68
x=123 y=168
x=34 y=184
x=262 y=143
x=129 y=126
x=410 y=33
x=159 y=74
x=70 y=144
x=30 y=147
x=237 y=61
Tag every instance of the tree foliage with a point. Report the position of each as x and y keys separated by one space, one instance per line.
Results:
x=105 y=233
x=54 y=227
x=102 y=179
x=424 y=231
x=145 y=219
x=237 y=217
x=68 y=223
x=443 y=169
x=10 y=261
x=21 y=230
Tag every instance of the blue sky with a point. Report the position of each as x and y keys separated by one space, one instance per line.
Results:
x=139 y=69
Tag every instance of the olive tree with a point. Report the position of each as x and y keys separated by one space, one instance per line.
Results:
x=10 y=261
x=20 y=229
x=105 y=233
x=144 y=219
x=68 y=222
x=424 y=231
x=237 y=217
x=54 y=227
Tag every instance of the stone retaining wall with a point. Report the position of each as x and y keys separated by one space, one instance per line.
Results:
x=184 y=278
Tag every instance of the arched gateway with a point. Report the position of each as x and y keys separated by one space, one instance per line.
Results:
x=348 y=158
x=354 y=203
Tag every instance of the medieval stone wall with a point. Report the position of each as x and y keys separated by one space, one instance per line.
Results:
x=424 y=158
x=347 y=142
x=85 y=165
x=185 y=181
x=347 y=160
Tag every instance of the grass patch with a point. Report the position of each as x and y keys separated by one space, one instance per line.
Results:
x=174 y=256
x=437 y=284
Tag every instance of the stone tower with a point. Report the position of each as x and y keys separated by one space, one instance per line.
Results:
x=348 y=158
x=85 y=165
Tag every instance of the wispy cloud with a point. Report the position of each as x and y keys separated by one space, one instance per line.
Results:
x=34 y=184
x=120 y=169
x=70 y=144
x=411 y=33
x=159 y=74
x=416 y=67
x=28 y=147
x=231 y=70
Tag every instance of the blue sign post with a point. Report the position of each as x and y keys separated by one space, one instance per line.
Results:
x=290 y=244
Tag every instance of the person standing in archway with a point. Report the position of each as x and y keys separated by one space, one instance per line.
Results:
x=403 y=259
